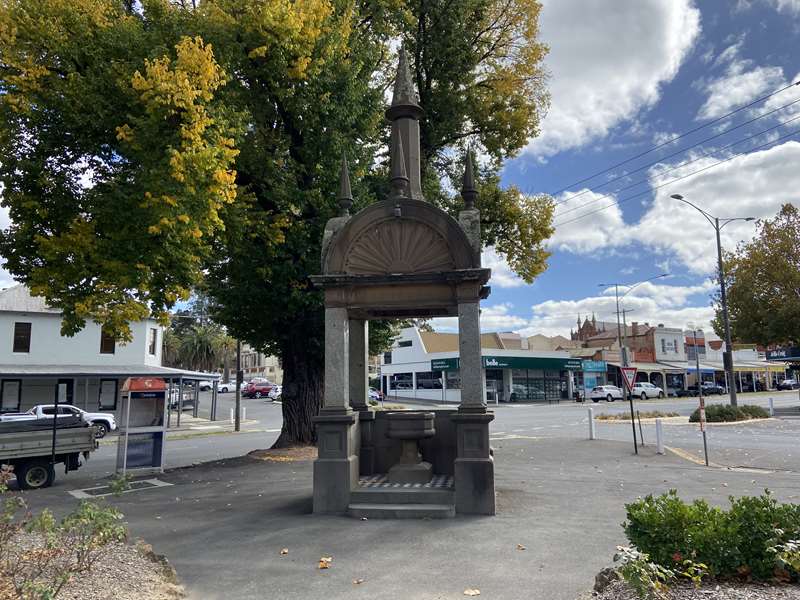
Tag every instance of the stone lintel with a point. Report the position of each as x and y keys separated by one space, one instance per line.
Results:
x=453 y=277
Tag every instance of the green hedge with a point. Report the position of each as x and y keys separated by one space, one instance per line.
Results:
x=719 y=413
x=738 y=542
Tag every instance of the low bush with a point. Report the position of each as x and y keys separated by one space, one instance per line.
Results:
x=752 y=539
x=647 y=414
x=725 y=413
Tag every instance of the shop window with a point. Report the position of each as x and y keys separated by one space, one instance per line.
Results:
x=453 y=380
x=663 y=346
x=10 y=395
x=63 y=390
x=107 y=395
x=387 y=358
x=401 y=381
x=22 y=337
x=429 y=380
x=108 y=343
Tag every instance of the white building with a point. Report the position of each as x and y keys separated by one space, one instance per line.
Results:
x=38 y=364
x=425 y=365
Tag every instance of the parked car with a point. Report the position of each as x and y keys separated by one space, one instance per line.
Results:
x=753 y=386
x=224 y=388
x=275 y=392
x=789 y=384
x=609 y=393
x=709 y=389
x=258 y=388
x=204 y=385
x=647 y=390
x=375 y=395
x=102 y=422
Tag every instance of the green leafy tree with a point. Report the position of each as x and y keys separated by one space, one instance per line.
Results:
x=763 y=278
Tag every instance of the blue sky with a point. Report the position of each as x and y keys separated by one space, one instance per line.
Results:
x=625 y=76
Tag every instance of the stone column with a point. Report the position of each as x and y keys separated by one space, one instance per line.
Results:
x=358 y=363
x=474 y=466
x=473 y=390
x=336 y=468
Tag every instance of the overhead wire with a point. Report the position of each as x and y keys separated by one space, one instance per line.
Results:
x=677 y=137
x=666 y=183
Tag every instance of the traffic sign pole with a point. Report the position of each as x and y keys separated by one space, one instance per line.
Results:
x=628 y=377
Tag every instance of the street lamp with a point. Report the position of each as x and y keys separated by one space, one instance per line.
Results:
x=727 y=357
x=623 y=351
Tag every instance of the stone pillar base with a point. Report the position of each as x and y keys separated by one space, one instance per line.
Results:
x=366 y=454
x=336 y=469
x=474 y=465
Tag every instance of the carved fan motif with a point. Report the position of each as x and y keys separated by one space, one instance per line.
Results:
x=399 y=246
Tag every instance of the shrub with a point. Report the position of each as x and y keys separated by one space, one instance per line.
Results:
x=741 y=541
x=625 y=416
x=725 y=413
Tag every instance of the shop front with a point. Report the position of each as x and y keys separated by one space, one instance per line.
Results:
x=592 y=374
x=531 y=379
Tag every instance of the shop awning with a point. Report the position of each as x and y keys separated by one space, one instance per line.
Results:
x=66 y=371
x=652 y=367
x=692 y=367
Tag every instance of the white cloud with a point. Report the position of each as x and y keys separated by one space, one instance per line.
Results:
x=603 y=229
x=607 y=62
x=754 y=184
x=502 y=275
x=741 y=83
x=498 y=317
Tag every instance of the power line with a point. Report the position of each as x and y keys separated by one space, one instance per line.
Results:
x=678 y=166
x=677 y=152
x=617 y=202
x=677 y=137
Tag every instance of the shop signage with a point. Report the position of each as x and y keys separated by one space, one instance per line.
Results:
x=445 y=364
x=784 y=354
x=531 y=362
x=595 y=366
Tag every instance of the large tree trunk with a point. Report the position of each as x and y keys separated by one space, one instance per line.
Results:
x=303 y=374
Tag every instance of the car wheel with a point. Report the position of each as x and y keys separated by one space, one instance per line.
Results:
x=35 y=474
x=595 y=400
x=258 y=395
x=101 y=430
x=609 y=398
x=660 y=394
x=644 y=396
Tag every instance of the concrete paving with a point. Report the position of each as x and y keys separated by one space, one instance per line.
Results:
x=223 y=525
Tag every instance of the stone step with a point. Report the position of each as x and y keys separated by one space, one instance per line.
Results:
x=402 y=496
x=401 y=511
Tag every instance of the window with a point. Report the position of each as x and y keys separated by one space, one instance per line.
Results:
x=107 y=343
x=107 y=396
x=663 y=346
x=401 y=381
x=153 y=345
x=22 y=337
x=387 y=358
x=64 y=391
x=10 y=395
x=453 y=380
x=404 y=344
x=430 y=380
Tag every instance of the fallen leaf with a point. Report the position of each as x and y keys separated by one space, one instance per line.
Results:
x=358 y=581
x=284 y=551
x=325 y=562
x=520 y=547
x=472 y=592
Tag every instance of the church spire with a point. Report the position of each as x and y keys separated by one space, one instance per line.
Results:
x=405 y=113
x=345 y=193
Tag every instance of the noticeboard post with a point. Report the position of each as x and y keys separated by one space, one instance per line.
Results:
x=629 y=378
x=142 y=430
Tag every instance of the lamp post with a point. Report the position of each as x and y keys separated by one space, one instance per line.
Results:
x=727 y=357
x=622 y=349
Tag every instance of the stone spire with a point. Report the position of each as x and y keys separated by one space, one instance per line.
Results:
x=405 y=113
x=399 y=176
x=345 y=194
x=468 y=190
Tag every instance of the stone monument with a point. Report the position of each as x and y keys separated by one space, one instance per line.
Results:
x=402 y=257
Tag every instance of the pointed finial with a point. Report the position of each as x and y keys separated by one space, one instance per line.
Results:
x=468 y=190
x=345 y=194
x=404 y=94
x=399 y=177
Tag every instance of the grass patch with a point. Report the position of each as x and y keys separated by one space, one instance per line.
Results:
x=725 y=413
x=648 y=414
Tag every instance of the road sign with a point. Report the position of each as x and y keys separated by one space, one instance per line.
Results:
x=628 y=376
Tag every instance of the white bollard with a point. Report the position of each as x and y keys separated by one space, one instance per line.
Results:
x=592 y=430
x=231 y=416
x=771 y=407
x=244 y=413
x=659 y=437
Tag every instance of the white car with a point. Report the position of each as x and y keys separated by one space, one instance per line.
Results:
x=103 y=422
x=609 y=393
x=224 y=388
x=204 y=385
x=275 y=392
x=647 y=390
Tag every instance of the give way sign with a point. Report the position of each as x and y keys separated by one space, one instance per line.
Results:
x=628 y=376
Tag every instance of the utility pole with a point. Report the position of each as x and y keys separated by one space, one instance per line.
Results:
x=239 y=377
x=727 y=357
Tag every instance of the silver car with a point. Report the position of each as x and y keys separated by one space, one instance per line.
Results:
x=609 y=393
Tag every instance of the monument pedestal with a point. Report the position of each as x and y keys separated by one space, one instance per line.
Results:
x=336 y=468
x=474 y=465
